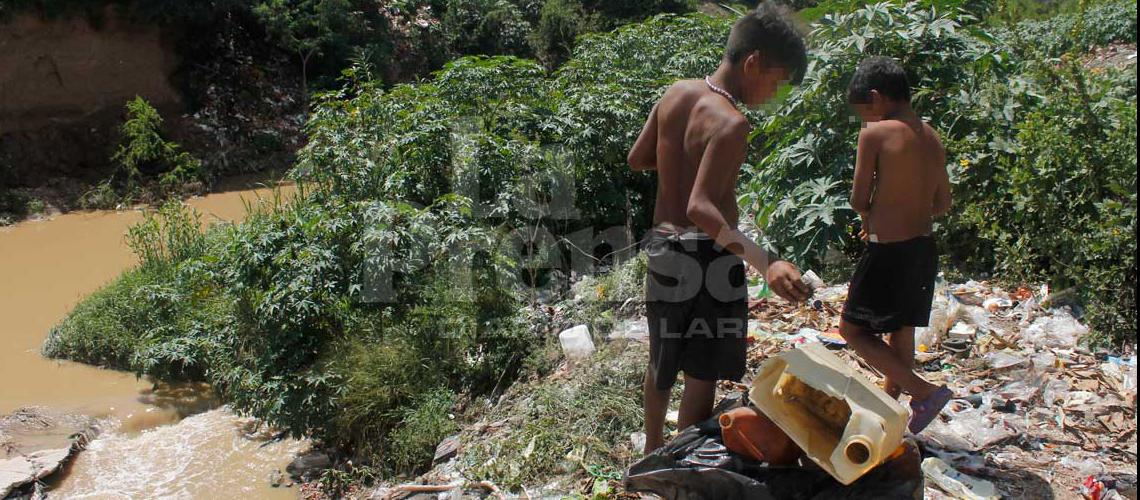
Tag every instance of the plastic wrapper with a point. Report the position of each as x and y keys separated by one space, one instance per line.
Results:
x=1001 y=360
x=969 y=428
x=1055 y=391
x=944 y=312
x=1086 y=467
x=1018 y=390
x=923 y=338
x=1044 y=361
x=1124 y=371
x=993 y=304
x=836 y=293
x=1058 y=330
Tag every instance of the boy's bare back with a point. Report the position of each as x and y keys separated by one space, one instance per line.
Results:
x=693 y=123
x=900 y=179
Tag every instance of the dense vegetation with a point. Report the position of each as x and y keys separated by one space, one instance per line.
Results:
x=432 y=214
x=403 y=39
x=254 y=63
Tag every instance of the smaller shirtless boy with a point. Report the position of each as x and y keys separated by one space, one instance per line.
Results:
x=900 y=186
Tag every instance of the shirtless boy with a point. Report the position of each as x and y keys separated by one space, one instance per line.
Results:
x=900 y=186
x=696 y=293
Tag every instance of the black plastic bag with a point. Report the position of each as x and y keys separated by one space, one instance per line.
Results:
x=695 y=465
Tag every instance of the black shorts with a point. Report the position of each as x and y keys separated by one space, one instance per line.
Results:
x=893 y=285
x=696 y=301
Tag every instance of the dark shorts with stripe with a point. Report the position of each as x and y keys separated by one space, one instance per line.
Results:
x=697 y=308
x=893 y=285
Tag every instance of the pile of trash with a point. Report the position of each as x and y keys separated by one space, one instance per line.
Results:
x=1035 y=415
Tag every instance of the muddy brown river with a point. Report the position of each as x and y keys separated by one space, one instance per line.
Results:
x=157 y=441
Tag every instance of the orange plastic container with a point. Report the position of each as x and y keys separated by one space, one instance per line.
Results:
x=749 y=433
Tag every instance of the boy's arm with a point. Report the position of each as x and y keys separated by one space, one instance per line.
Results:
x=866 y=159
x=942 y=197
x=716 y=176
x=643 y=154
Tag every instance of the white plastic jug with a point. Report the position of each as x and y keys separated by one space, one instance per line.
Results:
x=842 y=421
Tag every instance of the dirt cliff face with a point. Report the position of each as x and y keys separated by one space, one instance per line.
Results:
x=66 y=70
x=63 y=85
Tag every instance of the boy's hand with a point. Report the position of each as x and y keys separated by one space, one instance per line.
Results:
x=864 y=231
x=784 y=280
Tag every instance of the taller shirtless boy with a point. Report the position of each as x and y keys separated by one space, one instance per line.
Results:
x=696 y=293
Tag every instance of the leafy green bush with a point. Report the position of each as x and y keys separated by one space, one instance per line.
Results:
x=170 y=236
x=800 y=176
x=1057 y=201
x=307 y=27
x=485 y=27
x=1103 y=24
x=14 y=205
x=811 y=10
x=144 y=158
x=559 y=24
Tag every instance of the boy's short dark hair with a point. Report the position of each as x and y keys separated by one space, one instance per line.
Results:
x=880 y=73
x=772 y=30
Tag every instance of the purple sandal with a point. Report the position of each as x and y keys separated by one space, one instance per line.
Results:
x=923 y=412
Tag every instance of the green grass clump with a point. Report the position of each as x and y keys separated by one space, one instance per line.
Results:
x=563 y=425
x=424 y=424
x=154 y=319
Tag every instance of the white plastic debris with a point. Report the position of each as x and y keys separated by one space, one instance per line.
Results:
x=1019 y=390
x=631 y=329
x=576 y=342
x=978 y=428
x=955 y=483
x=1044 y=361
x=803 y=336
x=963 y=331
x=1122 y=370
x=637 y=440
x=923 y=338
x=812 y=280
x=1086 y=467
